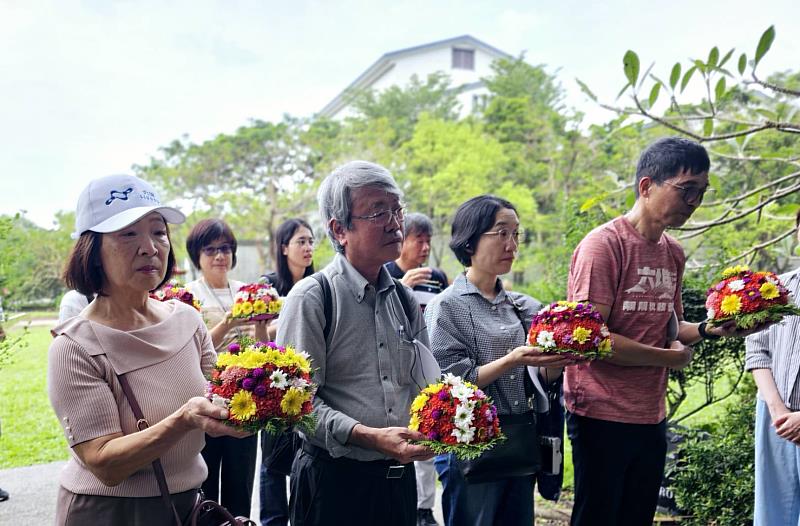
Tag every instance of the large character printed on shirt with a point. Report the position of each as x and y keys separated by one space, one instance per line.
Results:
x=654 y=292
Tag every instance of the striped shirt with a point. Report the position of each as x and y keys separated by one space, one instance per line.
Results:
x=778 y=349
x=466 y=331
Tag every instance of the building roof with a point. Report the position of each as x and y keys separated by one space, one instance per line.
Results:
x=387 y=62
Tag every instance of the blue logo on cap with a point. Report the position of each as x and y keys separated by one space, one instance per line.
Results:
x=122 y=196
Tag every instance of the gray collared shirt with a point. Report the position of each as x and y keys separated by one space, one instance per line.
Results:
x=467 y=330
x=364 y=370
x=778 y=349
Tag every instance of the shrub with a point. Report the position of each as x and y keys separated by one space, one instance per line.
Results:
x=714 y=477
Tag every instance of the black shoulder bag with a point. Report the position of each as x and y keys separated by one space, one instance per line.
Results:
x=519 y=455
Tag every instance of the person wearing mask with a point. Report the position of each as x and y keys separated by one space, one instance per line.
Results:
x=294 y=251
x=160 y=349
x=211 y=245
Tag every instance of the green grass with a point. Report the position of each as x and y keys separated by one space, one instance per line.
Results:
x=31 y=433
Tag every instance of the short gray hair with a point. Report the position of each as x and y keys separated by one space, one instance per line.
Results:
x=334 y=195
x=416 y=223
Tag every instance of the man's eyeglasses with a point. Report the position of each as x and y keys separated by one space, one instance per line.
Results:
x=384 y=217
x=213 y=251
x=518 y=236
x=690 y=194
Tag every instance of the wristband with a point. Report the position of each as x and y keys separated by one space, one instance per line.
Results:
x=701 y=328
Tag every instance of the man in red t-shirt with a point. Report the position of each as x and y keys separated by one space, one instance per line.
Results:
x=632 y=271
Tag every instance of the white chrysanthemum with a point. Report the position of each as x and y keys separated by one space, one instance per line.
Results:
x=451 y=379
x=461 y=392
x=560 y=308
x=710 y=314
x=463 y=416
x=278 y=379
x=604 y=332
x=464 y=436
x=772 y=280
x=546 y=340
x=736 y=285
x=219 y=401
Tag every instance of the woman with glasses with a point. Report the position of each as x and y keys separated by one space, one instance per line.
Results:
x=294 y=249
x=212 y=248
x=478 y=331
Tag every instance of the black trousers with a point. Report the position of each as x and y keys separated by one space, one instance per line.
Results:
x=235 y=460
x=618 y=471
x=327 y=491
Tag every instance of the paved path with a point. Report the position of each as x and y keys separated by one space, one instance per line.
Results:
x=34 y=490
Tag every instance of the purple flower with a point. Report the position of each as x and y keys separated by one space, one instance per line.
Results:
x=272 y=345
x=443 y=395
x=258 y=372
x=435 y=414
x=260 y=344
x=433 y=435
x=248 y=384
x=260 y=390
x=234 y=348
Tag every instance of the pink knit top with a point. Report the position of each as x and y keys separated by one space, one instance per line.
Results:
x=164 y=364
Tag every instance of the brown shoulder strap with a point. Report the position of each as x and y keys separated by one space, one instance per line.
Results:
x=142 y=423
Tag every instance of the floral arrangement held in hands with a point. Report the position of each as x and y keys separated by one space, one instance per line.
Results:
x=456 y=417
x=174 y=290
x=571 y=327
x=256 y=301
x=264 y=386
x=749 y=298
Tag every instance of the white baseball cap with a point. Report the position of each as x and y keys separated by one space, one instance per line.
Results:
x=113 y=202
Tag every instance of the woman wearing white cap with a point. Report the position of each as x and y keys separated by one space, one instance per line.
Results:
x=160 y=350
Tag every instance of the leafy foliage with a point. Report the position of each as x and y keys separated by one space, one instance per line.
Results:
x=714 y=477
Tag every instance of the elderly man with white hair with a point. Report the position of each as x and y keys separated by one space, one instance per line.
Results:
x=365 y=340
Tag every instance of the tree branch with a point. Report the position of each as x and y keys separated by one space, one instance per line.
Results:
x=775 y=87
x=722 y=220
x=754 y=191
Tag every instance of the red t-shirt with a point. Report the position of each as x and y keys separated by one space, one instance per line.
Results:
x=641 y=281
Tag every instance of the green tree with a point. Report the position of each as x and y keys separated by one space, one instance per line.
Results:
x=254 y=178
x=401 y=107
x=752 y=130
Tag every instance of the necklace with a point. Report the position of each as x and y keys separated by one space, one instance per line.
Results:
x=212 y=294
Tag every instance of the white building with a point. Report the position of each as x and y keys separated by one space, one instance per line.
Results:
x=465 y=59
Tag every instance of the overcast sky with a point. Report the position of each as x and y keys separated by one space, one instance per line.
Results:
x=90 y=88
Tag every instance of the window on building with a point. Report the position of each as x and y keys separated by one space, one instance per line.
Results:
x=463 y=58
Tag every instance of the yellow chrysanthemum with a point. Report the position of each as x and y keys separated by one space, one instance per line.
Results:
x=419 y=402
x=246 y=307
x=605 y=346
x=242 y=405
x=731 y=304
x=581 y=334
x=293 y=400
x=734 y=270
x=413 y=424
x=275 y=306
x=252 y=358
x=769 y=291
x=236 y=310
x=259 y=307
x=433 y=389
